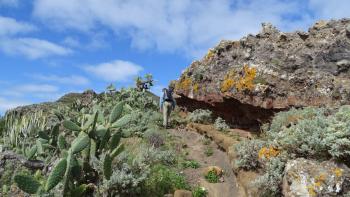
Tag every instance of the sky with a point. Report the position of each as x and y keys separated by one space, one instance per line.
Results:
x=51 y=47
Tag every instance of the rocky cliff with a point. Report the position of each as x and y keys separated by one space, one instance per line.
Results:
x=246 y=81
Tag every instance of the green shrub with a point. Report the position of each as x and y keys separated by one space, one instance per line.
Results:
x=287 y=118
x=154 y=137
x=221 y=125
x=191 y=164
x=313 y=133
x=2 y=125
x=164 y=181
x=338 y=134
x=140 y=121
x=127 y=179
x=200 y=116
x=247 y=154
x=199 y=192
x=269 y=184
x=211 y=177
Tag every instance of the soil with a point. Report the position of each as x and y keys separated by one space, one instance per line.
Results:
x=194 y=145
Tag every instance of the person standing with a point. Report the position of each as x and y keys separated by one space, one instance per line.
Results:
x=167 y=104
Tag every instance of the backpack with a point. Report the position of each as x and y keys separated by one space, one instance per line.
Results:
x=168 y=95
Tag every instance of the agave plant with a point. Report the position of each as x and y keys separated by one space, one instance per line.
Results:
x=19 y=128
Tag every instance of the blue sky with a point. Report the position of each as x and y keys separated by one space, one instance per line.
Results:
x=52 y=47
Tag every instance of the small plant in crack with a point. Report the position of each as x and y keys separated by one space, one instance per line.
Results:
x=209 y=151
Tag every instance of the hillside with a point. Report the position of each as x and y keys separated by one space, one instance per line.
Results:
x=265 y=116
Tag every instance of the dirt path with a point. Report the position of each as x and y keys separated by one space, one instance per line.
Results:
x=195 y=145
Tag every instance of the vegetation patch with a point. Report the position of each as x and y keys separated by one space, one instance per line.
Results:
x=209 y=151
x=200 y=116
x=314 y=133
x=199 y=192
x=84 y=145
x=221 y=125
x=164 y=181
x=212 y=177
x=191 y=164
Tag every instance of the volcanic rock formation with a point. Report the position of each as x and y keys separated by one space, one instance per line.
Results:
x=247 y=81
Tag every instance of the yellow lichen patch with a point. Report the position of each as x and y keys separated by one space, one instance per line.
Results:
x=322 y=177
x=243 y=80
x=184 y=84
x=311 y=190
x=318 y=184
x=196 y=88
x=338 y=172
x=209 y=55
x=228 y=82
x=267 y=153
x=319 y=180
x=247 y=81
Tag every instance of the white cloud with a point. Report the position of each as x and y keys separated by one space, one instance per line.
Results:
x=32 y=48
x=37 y=88
x=6 y=104
x=10 y=26
x=12 y=3
x=71 y=42
x=97 y=41
x=69 y=80
x=32 y=89
x=13 y=43
x=117 y=70
x=181 y=25
x=327 y=9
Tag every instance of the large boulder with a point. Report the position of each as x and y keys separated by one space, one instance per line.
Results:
x=311 y=178
x=247 y=81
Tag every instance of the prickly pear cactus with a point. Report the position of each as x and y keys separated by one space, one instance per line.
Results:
x=56 y=175
x=27 y=183
x=80 y=143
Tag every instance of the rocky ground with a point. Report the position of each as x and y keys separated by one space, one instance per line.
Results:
x=194 y=144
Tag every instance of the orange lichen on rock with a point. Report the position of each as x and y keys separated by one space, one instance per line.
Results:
x=319 y=180
x=184 y=84
x=267 y=153
x=242 y=81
